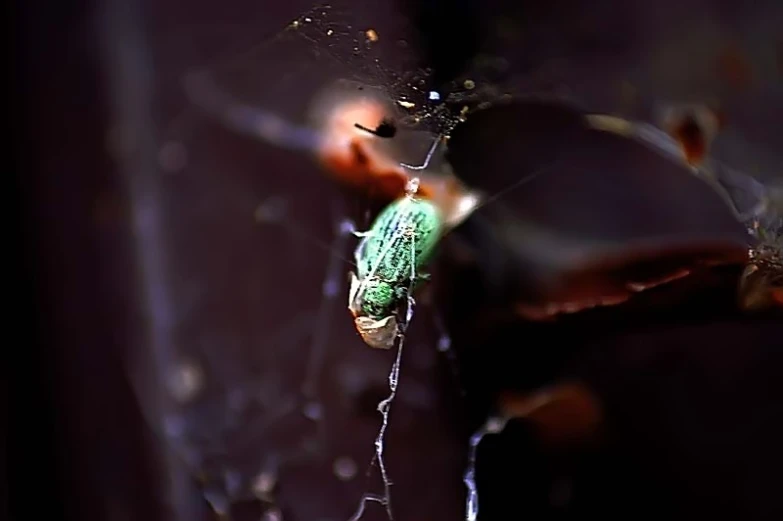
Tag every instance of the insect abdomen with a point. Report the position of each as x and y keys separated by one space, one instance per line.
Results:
x=400 y=242
x=405 y=232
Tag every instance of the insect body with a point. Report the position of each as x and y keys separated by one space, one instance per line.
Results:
x=388 y=259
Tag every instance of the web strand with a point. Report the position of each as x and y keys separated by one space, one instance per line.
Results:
x=330 y=290
x=492 y=426
x=384 y=407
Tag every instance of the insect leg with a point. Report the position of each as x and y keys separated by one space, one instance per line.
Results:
x=347 y=226
x=353 y=292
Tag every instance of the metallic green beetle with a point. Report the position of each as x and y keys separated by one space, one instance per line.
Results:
x=389 y=258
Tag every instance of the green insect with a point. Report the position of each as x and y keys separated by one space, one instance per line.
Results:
x=400 y=242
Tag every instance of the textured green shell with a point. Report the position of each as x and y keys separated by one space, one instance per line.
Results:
x=399 y=244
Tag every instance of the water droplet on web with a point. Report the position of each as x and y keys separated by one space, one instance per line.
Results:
x=185 y=381
x=344 y=468
x=495 y=425
x=331 y=288
x=273 y=514
x=444 y=343
x=313 y=411
x=264 y=484
x=347 y=226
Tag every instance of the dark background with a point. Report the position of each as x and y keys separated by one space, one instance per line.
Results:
x=122 y=266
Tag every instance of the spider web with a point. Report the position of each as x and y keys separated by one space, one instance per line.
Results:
x=271 y=396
